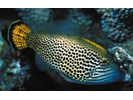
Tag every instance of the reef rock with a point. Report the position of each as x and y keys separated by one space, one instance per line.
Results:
x=123 y=58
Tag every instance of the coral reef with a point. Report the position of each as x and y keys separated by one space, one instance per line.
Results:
x=117 y=22
x=41 y=20
x=123 y=55
x=14 y=69
x=127 y=45
x=124 y=60
x=35 y=17
x=76 y=16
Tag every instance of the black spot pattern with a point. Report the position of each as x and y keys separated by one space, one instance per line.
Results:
x=67 y=55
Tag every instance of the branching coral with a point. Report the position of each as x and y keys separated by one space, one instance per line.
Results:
x=76 y=16
x=117 y=22
x=35 y=17
x=13 y=70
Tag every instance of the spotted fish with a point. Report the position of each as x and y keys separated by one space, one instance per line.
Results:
x=77 y=59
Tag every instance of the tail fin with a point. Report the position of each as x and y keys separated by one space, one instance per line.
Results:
x=17 y=34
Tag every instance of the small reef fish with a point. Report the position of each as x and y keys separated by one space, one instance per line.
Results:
x=77 y=59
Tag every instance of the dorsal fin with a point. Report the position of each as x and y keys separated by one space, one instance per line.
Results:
x=94 y=44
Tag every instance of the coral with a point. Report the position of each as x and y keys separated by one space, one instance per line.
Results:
x=124 y=59
x=128 y=45
x=1 y=42
x=123 y=55
x=117 y=22
x=13 y=75
x=13 y=69
x=35 y=17
x=41 y=20
x=77 y=17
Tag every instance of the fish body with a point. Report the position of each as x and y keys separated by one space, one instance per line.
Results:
x=77 y=59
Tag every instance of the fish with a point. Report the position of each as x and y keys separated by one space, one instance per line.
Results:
x=77 y=59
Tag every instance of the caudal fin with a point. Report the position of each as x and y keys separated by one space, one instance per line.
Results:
x=17 y=34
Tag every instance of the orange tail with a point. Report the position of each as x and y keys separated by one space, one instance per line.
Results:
x=17 y=34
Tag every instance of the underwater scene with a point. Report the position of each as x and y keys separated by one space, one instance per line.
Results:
x=66 y=49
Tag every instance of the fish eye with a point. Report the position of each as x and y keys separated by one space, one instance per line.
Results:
x=105 y=61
